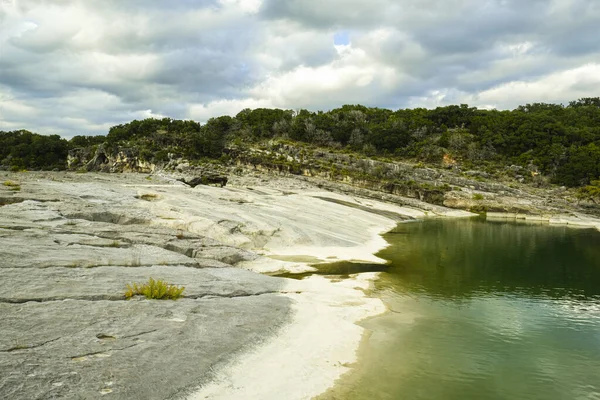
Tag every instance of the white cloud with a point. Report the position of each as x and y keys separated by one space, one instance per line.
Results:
x=250 y=6
x=203 y=112
x=77 y=66
x=558 y=87
x=341 y=81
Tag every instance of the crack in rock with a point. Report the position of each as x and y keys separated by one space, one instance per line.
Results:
x=139 y=334
x=28 y=347
x=62 y=298
x=229 y=296
x=83 y=357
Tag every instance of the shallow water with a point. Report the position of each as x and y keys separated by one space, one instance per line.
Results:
x=483 y=310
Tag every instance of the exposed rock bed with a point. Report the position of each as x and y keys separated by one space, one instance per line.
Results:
x=68 y=249
x=69 y=244
x=508 y=189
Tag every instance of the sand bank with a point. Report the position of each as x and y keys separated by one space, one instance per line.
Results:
x=321 y=341
x=311 y=352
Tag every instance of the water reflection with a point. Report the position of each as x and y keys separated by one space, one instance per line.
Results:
x=450 y=259
x=484 y=310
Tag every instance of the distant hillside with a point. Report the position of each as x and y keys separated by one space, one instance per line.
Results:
x=561 y=142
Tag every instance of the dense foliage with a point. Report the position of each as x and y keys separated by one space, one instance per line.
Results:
x=562 y=141
x=23 y=149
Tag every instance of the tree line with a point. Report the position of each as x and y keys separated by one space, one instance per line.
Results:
x=562 y=141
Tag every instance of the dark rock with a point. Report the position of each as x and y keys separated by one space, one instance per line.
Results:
x=206 y=180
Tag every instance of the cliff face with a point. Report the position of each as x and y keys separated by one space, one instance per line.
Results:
x=106 y=159
x=511 y=189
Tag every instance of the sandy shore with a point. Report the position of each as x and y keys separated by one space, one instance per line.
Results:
x=311 y=352
x=320 y=343
x=72 y=241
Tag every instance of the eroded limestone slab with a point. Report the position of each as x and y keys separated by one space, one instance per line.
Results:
x=129 y=349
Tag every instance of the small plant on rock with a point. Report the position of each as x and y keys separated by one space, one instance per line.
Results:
x=12 y=185
x=155 y=289
x=477 y=196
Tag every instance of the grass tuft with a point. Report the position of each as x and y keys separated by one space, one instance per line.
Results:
x=155 y=289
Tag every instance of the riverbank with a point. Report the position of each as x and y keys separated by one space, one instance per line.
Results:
x=574 y=220
x=305 y=358
x=320 y=342
x=71 y=242
x=452 y=284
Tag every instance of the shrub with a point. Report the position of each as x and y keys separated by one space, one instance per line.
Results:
x=590 y=192
x=154 y=289
x=478 y=209
x=477 y=196
x=10 y=184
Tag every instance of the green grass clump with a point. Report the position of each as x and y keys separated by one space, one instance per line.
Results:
x=155 y=289
x=12 y=185
x=477 y=196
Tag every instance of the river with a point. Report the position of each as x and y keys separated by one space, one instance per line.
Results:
x=483 y=310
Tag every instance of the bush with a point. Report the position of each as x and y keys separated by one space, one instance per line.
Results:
x=590 y=192
x=477 y=196
x=478 y=209
x=158 y=289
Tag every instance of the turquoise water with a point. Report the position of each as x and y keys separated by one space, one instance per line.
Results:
x=483 y=310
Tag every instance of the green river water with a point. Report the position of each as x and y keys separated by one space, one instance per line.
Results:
x=483 y=310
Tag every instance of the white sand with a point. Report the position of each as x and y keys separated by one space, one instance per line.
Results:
x=321 y=341
x=310 y=353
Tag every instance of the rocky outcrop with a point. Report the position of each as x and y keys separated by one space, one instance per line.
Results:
x=67 y=250
x=205 y=180
x=502 y=190
x=510 y=189
x=70 y=243
x=103 y=158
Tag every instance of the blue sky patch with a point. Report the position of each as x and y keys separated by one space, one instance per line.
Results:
x=341 y=38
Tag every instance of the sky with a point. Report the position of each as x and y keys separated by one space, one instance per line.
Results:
x=72 y=67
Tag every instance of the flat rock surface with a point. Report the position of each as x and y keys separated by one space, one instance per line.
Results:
x=67 y=251
x=70 y=243
x=137 y=349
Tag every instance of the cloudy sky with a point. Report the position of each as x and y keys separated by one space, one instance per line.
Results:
x=80 y=66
